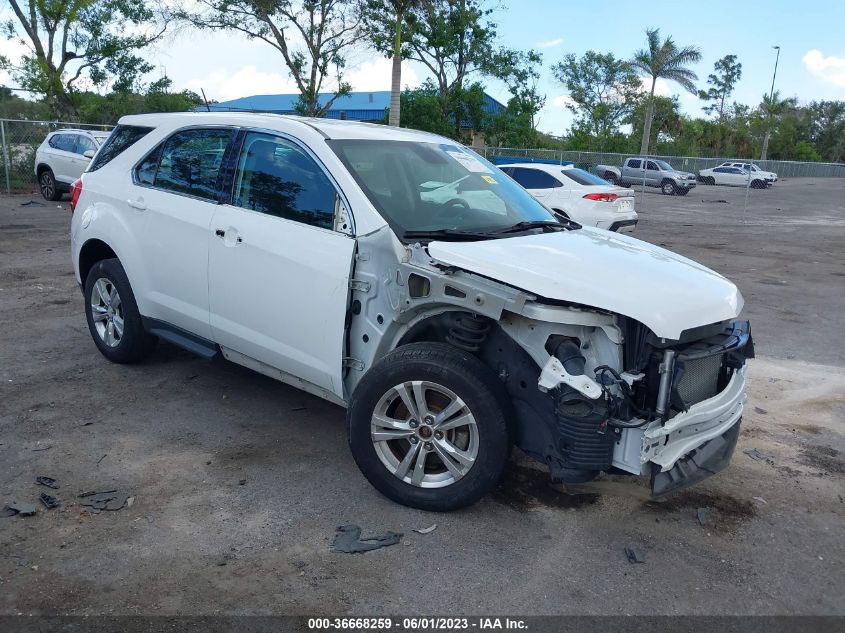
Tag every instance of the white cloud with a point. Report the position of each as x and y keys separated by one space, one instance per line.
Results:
x=830 y=69
x=661 y=88
x=223 y=85
x=550 y=43
x=562 y=101
x=375 y=75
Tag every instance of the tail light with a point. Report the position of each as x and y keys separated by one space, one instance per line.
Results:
x=75 y=192
x=601 y=197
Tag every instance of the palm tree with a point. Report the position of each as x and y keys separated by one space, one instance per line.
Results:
x=664 y=60
x=401 y=9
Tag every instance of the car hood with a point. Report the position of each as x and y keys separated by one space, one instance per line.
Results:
x=663 y=291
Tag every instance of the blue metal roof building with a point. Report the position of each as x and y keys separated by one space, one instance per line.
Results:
x=356 y=106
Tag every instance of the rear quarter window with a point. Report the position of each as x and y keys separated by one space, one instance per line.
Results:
x=123 y=137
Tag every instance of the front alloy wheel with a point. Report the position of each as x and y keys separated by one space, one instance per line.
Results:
x=428 y=427
x=424 y=434
x=668 y=188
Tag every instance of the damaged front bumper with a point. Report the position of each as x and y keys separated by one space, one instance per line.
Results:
x=696 y=443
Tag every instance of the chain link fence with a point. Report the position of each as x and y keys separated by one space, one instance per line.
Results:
x=589 y=160
x=18 y=142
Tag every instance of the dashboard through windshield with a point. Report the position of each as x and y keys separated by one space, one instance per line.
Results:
x=430 y=187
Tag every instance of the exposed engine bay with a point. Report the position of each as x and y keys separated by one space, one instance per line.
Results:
x=590 y=390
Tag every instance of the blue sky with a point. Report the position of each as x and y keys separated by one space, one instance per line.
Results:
x=809 y=32
x=717 y=27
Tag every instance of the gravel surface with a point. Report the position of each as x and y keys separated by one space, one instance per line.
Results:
x=237 y=482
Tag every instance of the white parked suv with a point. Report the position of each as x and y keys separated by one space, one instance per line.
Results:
x=62 y=157
x=577 y=194
x=451 y=328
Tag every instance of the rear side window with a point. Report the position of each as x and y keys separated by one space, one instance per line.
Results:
x=122 y=137
x=583 y=177
x=64 y=142
x=188 y=162
x=534 y=178
x=276 y=177
x=634 y=163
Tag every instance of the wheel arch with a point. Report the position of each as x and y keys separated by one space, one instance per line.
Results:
x=93 y=251
x=40 y=168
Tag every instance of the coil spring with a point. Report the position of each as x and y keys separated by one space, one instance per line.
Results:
x=468 y=332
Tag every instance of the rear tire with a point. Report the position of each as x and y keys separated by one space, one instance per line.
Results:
x=112 y=314
x=611 y=178
x=668 y=188
x=412 y=456
x=48 y=186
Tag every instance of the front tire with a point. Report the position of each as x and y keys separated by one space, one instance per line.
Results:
x=683 y=192
x=428 y=428
x=48 y=186
x=112 y=314
x=668 y=188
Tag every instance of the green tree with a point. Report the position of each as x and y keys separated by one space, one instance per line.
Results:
x=456 y=41
x=604 y=90
x=328 y=29
x=68 y=40
x=664 y=60
x=827 y=129
x=722 y=82
x=383 y=22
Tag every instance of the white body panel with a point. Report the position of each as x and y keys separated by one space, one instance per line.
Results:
x=664 y=291
x=278 y=292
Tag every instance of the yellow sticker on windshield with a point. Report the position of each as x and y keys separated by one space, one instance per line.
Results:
x=489 y=179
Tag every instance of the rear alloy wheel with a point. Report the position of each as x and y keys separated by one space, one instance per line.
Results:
x=611 y=178
x=668 y=188
x=427 y=427
x=47 y=185
x=112 y=314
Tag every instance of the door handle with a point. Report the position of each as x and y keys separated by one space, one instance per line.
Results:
x=220 y=233
x=137 y=204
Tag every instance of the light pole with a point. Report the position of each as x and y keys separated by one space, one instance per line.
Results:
x=771 y=96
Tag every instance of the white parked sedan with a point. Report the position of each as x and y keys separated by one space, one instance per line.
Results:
x=731 y=176
x=769 y=176
x=577 y=194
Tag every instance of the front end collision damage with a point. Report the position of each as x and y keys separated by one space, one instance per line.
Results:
x=563 y=411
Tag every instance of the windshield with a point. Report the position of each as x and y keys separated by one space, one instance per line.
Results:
x=425 y=187
x=664 y=165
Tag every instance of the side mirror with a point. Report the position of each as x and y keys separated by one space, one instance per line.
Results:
x=89 y=153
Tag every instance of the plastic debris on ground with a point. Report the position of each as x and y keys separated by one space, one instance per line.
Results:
x=106 y=500
x=18 y=507
x=348 y=540
x=47 y=481
x=426 y=530
x=634 y=555
x=756 y=454
x=49 y=501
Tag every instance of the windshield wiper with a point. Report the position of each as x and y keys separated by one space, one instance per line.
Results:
x=445 y=234
x=540 y=224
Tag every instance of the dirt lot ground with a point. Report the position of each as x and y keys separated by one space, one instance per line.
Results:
x=239 y=481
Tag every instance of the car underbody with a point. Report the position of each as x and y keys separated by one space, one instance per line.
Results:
x=589 y=390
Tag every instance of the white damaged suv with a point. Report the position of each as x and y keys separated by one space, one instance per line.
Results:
x=451 y=329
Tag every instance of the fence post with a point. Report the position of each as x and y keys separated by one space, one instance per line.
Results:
x=6 y=166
